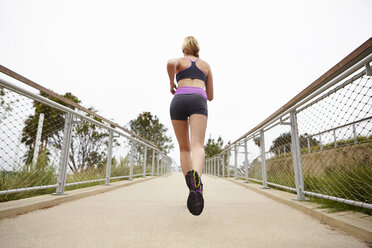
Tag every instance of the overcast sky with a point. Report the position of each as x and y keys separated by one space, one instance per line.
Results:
x=112 y=54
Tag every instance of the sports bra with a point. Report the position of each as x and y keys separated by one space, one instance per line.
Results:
x=192 y=71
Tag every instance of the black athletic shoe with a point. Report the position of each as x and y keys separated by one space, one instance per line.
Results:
x=195 y=201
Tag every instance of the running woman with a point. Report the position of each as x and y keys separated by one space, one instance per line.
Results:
x=189 y=111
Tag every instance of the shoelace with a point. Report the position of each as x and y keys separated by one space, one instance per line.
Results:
x=196 y=179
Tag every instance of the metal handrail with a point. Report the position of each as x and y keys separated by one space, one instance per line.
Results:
x=24 y=92
x=349 y=69
x=80 y=113
x=34 y=85
x=351 y=63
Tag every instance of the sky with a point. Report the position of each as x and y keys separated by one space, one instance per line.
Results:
x=112 y=54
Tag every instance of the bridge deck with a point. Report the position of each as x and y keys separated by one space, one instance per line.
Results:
x=154 y=214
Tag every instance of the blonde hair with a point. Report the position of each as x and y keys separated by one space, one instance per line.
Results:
x=191 y=46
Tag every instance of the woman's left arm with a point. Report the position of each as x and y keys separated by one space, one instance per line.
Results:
x=172 y=68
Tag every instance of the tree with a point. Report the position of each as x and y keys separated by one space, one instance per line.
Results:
x=88 y=142
x=53 y=126
x=149 y=127
x=6 y=104
x=257 y=141
x=213 y=147
x=282 y=144
x=89 y=146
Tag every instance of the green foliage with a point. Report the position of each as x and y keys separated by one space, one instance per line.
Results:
x=43 y=173
x=257 y=141
x=53 y=122
x=90 y=149
x=149 y=127
x=213 y=147
x=345 y=172
x=349 y=182
x=31 y=175
x=120 y=168
x=6 y=105
x=282 y=144
x=340 y=143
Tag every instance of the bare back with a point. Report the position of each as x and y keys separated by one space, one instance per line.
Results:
x=183 y=63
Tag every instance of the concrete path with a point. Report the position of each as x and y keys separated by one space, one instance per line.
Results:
x=154 y=214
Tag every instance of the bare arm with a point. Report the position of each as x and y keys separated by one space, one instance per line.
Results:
x=209 y=85
x=172 y=68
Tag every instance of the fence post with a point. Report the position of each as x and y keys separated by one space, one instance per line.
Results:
x=16 y=157
x=157 y=164
x=61 y=178
x=223 y=165
x=109 y=158
x=296 y=155
x=38 y=139
x=144 y=161
x=214 y=167
x=153 y=162
x=228 y=163
x=246 y=160
x=263 y=158
x=218 y=166
x=236 y=162
x=308 y=145
x=354 y=134
x=131 y=155
x=334 y=138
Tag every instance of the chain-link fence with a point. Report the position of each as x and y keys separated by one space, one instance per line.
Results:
x=47 y=145
x=320 y=143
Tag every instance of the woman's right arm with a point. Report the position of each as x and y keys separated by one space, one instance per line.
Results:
x=209 y=84
x=172 y=68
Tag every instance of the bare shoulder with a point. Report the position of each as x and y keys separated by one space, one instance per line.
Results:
x=202 y=63
x=172 y=61
x=182 y=63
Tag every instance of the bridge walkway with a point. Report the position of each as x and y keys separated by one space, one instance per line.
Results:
x=153 y=213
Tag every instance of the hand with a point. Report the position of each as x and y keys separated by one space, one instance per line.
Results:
x=173 y=88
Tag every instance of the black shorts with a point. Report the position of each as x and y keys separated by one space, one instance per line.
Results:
x=184 y=105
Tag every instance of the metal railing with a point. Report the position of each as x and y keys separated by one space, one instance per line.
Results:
x=318 y=144
x=51 y=142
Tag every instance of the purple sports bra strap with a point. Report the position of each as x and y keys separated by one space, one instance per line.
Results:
x=191 y=60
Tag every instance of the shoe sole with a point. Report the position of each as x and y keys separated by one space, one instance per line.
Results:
x=195 y=202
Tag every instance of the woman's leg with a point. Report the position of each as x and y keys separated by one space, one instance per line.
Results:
x=181 y=128
x=198 y=125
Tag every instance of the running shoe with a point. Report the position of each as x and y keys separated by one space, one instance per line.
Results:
x=195 y=201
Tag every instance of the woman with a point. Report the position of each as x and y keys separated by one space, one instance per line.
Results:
x=189 y=110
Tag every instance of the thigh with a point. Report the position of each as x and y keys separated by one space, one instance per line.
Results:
x=198 y=125
x=178 y=108
x=181 y=128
